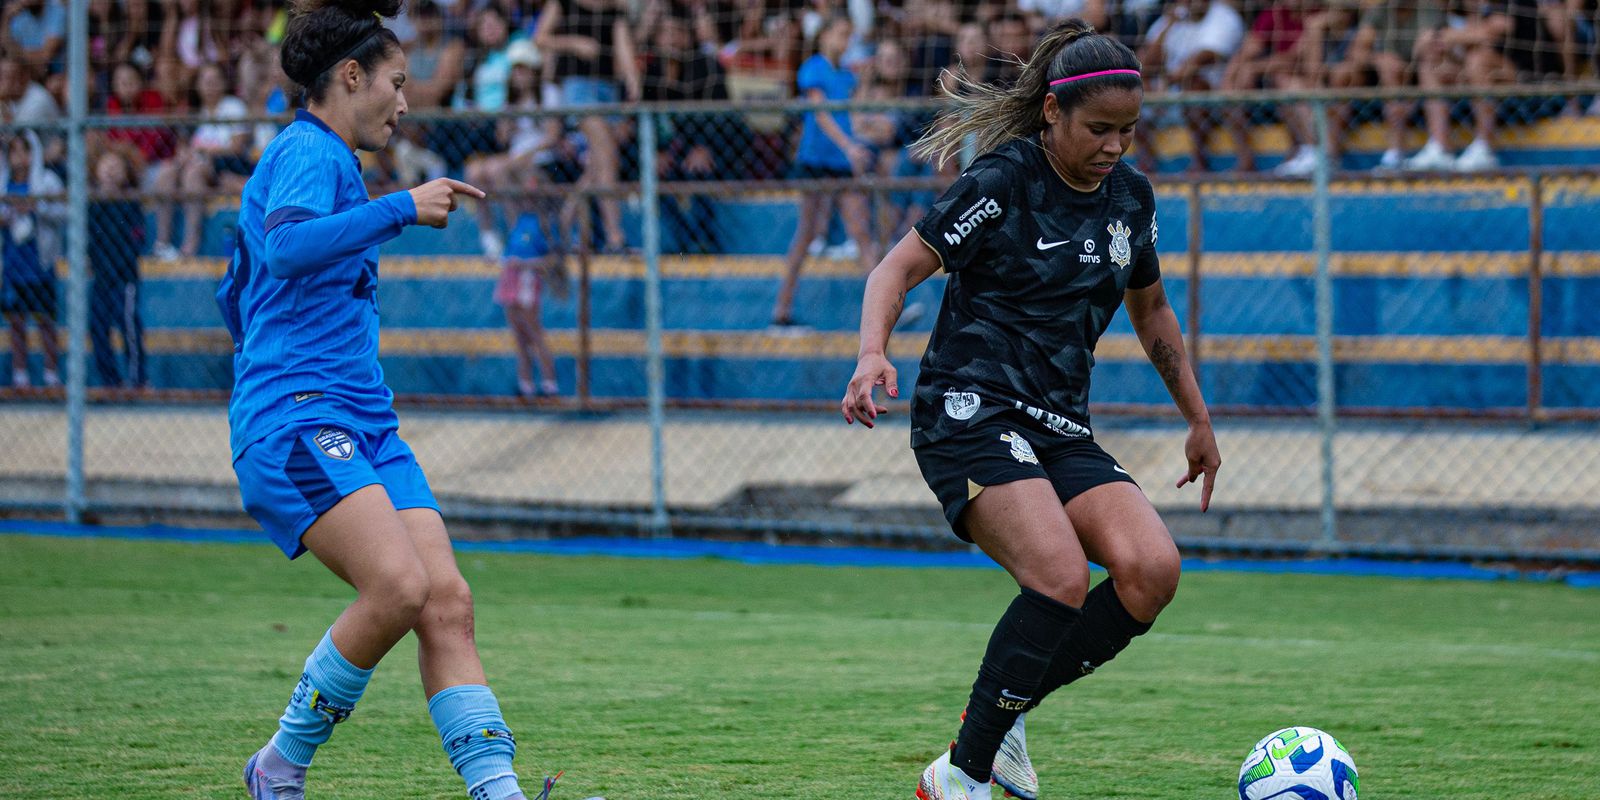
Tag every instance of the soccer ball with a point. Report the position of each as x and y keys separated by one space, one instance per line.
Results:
x=1298 y=764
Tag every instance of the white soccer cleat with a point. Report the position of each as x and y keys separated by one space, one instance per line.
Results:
x=945 y=781
x=1013 y=770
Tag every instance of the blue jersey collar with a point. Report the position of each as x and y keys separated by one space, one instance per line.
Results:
x=302 y=115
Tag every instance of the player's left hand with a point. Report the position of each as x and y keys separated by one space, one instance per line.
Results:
x=1204 y=459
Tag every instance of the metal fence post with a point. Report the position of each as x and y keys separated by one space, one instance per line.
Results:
x=1535 y=298
x=77 y=251
x=1322 y=237
x=655 y=372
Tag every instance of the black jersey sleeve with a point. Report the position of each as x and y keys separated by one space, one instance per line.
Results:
x=1146 y=265
x=969 y=214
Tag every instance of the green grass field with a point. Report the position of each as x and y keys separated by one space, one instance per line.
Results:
x=151 y=670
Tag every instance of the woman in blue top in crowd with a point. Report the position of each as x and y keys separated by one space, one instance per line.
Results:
x=828 y=150
x=313 y=426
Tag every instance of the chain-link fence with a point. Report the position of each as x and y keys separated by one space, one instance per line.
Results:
x=648 y=324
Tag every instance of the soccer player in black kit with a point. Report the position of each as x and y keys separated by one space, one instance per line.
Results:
x=1043 y=237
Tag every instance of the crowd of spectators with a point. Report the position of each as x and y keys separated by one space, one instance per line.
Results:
x=216 y=60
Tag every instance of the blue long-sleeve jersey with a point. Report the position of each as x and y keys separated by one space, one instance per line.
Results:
x=301 y=294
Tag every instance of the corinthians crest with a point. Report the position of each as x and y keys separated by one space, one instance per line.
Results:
x=1121 y=253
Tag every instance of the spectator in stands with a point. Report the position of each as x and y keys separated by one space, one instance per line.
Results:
x=828 y=151
x=594 y=51
x=116 y=236
x=130 y=96
x=693 y=146
x=434 y=60
x=1187 y=50
x=172 y=79
x=930 y=29
x=526 y=149
x=110 y=44
x=31 y=214
x=1385 y=43
x=217 y=156
x=34 y=32
x=261 y=83
x=888 y=134
x=527 y=266
x=22 y=101
x=1045 y=13
x=1271 y=57
x=1326 y=49
x=189 y=34
x=1499 y=44
x=1010 y=44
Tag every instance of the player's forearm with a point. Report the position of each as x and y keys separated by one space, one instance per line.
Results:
x=302 y=245
x=881 y=304
x=1162 y=339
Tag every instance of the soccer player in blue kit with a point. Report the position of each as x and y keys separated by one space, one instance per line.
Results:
x=313 y=426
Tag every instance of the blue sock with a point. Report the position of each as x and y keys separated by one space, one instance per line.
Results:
x=327 y=693
x=477 y=741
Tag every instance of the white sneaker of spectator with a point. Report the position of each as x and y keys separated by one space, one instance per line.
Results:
x=816 y=247
x=1299 y=165
x=51 y=379
x=846 y=250
x=19 y=379
x=1433 y=157
x=491 y=243
x=1477 y=157
x=165 y=252
x=1390 y=161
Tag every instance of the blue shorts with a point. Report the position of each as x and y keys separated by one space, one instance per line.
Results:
x=296 y=474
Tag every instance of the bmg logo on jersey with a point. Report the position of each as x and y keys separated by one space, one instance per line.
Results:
x=986 y=208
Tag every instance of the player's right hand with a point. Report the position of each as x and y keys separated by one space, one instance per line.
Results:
x=872 y=370
x=437 y=198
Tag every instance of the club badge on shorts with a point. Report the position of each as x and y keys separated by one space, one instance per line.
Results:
x=335 y=443
x=961 y=405
x=1020 y=449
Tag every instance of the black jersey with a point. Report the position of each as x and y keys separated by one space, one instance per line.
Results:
x=1037 y=269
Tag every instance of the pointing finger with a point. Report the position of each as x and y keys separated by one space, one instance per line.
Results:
x=462 y=187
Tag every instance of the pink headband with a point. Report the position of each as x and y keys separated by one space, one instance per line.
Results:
x=1059 y=81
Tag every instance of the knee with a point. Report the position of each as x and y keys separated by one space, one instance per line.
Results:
x=403 y=594
x=1150 y=583
x=449 y=607
x=1064 y=582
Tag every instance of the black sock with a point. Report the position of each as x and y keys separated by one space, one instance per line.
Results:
x=1106 y=628
x=1027 y=635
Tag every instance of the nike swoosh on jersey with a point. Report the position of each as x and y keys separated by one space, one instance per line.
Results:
x=1043 y=245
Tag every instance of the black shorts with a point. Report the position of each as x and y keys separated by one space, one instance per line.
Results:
x=1008 y=447
x=29 y=298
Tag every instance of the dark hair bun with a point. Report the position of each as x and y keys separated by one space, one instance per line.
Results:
x=355 y=8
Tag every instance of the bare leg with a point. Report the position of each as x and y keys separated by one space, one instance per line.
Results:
x=47 y=342
x=19 y=343
x=447 y=651
x=1023 y=527
x=166 y=185
x=1122 y=532
x=363 y=540
x=813 y=206
x=602 y=171
x=197 y=178
x=521 y=336
x=853 y=209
